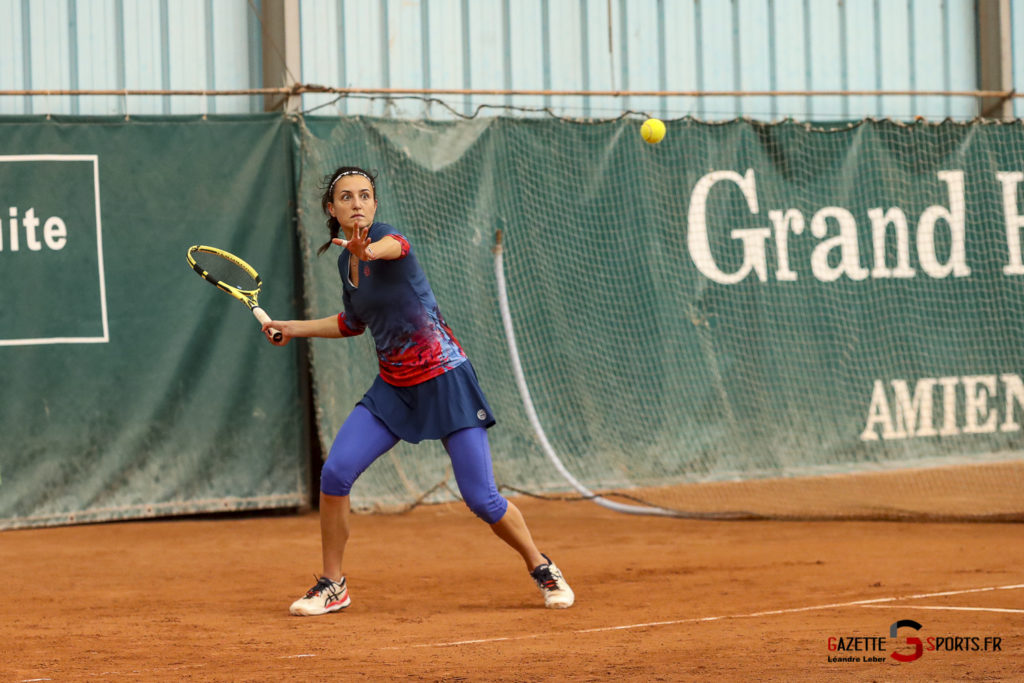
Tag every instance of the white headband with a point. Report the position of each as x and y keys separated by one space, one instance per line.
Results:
x=330 y=190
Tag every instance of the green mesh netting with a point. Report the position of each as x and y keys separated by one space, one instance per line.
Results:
x=781 y=320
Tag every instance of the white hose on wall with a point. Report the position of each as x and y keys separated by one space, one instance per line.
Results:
x=531 y=413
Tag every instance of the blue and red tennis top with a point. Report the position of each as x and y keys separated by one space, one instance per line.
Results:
x=395 y=301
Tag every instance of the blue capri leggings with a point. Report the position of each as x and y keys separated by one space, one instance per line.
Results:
x=364 y=438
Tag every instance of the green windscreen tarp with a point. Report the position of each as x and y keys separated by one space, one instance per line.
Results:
x=740 y=302
x=131 y=388
x=785 y=319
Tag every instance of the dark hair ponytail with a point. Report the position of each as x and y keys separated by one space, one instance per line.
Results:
x=327 y=197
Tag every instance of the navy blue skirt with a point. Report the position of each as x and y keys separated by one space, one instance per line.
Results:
x=432 y=409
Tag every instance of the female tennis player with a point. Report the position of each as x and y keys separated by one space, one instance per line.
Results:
x=426 y=389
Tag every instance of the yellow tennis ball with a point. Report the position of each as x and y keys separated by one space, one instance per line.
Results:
x=652 y=131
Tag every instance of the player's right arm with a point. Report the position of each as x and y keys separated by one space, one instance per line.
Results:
x=331 y=327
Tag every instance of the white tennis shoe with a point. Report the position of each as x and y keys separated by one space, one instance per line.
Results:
x=326 y=596
x=554 y=587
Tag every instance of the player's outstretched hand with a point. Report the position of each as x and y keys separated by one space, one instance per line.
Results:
x=358 y=244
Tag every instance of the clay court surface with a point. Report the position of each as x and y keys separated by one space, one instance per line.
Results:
x=437 y=597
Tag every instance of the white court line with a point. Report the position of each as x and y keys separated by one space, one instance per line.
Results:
x=695 y=620
x=945 y=607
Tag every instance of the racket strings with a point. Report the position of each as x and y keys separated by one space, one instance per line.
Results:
x=223 y=270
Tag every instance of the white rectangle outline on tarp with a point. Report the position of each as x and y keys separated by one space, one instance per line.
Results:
x=99 y=251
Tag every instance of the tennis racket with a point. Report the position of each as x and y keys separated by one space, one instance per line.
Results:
x=232 y=275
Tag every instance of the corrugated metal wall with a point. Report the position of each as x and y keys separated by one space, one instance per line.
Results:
x=128 y=45
x=1017 y=33
x=678 y=45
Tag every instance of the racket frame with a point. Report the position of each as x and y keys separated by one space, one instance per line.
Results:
x=249 y=297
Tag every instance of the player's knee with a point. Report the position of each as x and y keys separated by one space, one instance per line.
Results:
x=490 y=508
x=335 y=480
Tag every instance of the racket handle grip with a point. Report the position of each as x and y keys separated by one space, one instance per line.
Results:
x=262 y=316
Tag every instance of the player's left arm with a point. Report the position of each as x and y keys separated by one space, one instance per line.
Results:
x=388 y=248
